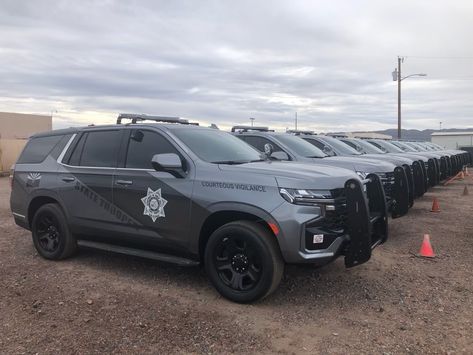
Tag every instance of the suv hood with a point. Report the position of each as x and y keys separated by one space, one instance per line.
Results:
x=358 y=164
x=413 y=155
x=296 y=175
x=398 y=160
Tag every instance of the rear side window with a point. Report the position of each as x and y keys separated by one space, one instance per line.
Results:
x=143 y=145
x=97 y=149
x=37 y=149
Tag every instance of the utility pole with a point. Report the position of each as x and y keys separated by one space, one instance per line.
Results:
x=399 y=97
x=296 y=121
x=252 y=120
x=397 y=77
x=440 y=124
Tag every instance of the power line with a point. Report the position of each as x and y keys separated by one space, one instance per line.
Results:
x=434 y=57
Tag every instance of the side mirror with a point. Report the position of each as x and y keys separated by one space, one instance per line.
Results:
x=169 y=163
x=327 y=150
x=280 y=155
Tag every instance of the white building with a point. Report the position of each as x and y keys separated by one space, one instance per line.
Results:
x=453 y=140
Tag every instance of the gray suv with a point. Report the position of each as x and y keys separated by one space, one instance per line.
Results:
x=175 y=192
x=291 y=147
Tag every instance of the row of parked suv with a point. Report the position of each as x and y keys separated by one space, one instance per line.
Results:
x=243 y=203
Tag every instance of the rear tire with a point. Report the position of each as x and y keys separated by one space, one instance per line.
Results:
x=50 y=232
x=243 y=261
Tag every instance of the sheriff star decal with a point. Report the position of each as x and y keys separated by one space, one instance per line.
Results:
x=154 y=204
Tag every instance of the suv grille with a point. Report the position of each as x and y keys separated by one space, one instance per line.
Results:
x=388 y=180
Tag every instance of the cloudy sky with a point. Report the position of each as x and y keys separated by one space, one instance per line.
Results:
x=225 y=61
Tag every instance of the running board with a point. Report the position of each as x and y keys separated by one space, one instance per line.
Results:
x=138 y=252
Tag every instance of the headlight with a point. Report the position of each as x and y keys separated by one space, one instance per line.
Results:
x=305 y=197
x=362 y=174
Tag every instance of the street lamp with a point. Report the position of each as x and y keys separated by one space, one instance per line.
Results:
x=397 y=77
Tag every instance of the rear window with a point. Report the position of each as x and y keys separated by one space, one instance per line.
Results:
x=37 y=149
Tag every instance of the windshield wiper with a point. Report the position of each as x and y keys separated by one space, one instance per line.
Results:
x=230 y=162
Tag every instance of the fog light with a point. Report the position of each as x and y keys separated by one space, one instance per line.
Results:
x=318 y=238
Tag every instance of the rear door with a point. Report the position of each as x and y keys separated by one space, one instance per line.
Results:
x=85 y=181
x=158 y=202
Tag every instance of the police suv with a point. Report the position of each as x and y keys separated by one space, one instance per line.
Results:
x=172 y=191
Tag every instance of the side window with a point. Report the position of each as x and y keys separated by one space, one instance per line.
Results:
x=353 y=145
x=377 y=146
x=97 y=149
x=318 y=144
x=143 y=145
x=37 y=149
x=259 y=142
x=75 y=156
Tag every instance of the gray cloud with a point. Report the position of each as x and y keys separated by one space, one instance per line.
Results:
x=223 y=61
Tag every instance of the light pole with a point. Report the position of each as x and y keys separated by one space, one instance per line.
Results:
x=252 y=120
x=397 y=77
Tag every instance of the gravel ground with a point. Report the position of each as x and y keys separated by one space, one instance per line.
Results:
x=102 y=303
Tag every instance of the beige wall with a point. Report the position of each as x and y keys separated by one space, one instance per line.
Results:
x=20 y=125
x=10 y=149
x=15 y=128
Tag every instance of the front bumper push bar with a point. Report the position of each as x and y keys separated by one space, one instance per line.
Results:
x=367 y=218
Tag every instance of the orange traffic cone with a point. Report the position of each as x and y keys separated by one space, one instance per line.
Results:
x=435 y=205
x=426 y=249
x=462 y=175
x=465 y=191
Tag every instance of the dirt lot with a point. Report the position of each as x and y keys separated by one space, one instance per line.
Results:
x=102 y=303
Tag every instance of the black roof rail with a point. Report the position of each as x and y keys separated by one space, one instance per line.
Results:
x=299 y=132
x=251 y=128
x=134 y=117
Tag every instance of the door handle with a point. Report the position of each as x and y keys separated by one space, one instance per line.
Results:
x=124 y=182
x=68 y=179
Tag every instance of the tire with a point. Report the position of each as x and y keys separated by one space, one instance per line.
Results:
x=50 y=232
x=243 y=261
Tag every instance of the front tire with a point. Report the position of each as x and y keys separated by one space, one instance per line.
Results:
x=243 y=261
x=51 y=236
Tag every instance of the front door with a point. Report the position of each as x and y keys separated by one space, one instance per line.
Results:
x=158 y=202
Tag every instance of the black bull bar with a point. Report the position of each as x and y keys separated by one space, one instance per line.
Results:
x=400 y=193
x=367 y=218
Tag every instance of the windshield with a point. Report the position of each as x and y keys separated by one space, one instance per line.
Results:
x=403 y=146
x=390 y=148
x=300 y=146
x=217 y=147
x=367 y=148
x=413 y=146
x=341 y=147
x=425 y=146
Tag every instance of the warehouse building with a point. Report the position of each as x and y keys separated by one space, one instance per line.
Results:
x=15 y=129
x=454 y=140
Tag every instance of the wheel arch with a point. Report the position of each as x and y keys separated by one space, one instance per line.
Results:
x=40 y=199
x=224 y=213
